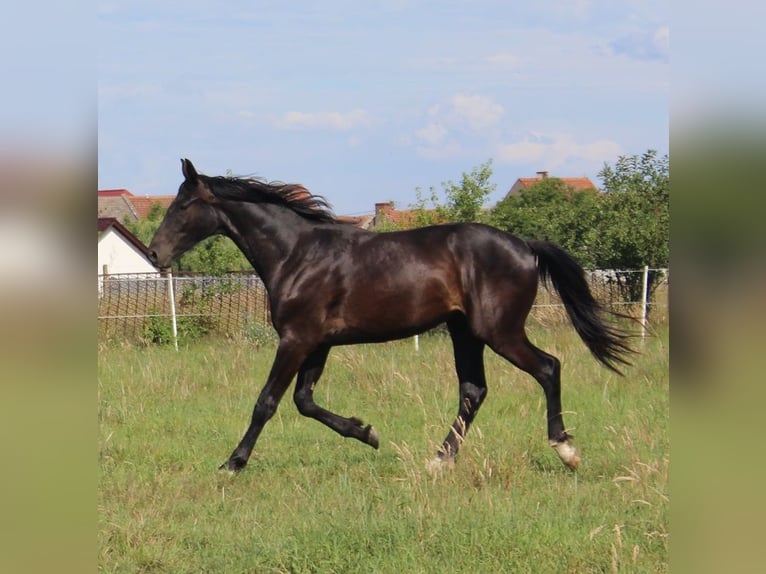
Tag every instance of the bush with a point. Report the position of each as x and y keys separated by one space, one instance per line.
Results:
x=261 y=334
x=159 y=329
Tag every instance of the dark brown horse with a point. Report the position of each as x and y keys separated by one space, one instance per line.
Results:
x=330 y=283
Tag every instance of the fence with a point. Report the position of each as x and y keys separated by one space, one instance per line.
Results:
x=161 y=309
x=165 y=309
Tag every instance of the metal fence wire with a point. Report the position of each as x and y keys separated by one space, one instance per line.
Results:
x=136 y=308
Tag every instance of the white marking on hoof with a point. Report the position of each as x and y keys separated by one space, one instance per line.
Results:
x=438 y=465
x=568 y=454
x=373 y=438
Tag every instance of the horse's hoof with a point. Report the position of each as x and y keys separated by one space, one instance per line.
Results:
x=233 y=465
x=372 y=437
x=568 y=454
x=440 y=464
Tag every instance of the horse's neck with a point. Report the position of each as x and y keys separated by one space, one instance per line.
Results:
x=266 y=234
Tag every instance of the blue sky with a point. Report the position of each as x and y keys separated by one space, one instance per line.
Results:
x=365 y=101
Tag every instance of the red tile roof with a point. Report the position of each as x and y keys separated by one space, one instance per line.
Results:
x=113 y=192
x=577 y=183
x=121 y=203
x=400 y=218
x=574 y=184
x=143 y=205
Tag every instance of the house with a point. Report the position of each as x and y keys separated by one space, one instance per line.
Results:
x=119 y=251
x=122 y=205
x=386 y=215
x=574 y=183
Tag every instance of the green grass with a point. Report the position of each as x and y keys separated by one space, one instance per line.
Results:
x=310 y=501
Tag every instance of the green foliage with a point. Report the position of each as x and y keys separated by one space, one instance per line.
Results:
x=549 y=209
x=145 y=228
x=260 y=334
x=635 y=216
x=464 y=201
x=159 y=329
x=214 y=255
x=624 y=227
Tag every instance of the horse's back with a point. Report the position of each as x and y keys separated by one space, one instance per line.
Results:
x=450 y=264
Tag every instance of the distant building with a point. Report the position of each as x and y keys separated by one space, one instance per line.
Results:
x=574 y=183
x=122 y=205
x=119 y=251
x=387 y=216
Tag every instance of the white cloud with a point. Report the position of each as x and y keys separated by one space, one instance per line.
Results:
x=339 y=121
x=662 y=39
x=521 y=152
x=461 y=118
x=433 y=133
x=477 y=111
x=554 y=150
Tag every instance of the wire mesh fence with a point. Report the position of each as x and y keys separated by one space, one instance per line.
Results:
x=137 y=308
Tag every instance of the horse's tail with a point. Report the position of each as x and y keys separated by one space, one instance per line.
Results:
x=607 y=343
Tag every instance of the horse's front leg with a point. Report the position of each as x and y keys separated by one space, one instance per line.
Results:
x=286 y=363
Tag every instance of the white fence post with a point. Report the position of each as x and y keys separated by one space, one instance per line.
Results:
x=172 y=309
x=645 y=301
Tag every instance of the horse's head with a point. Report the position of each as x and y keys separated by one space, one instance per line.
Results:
x=191 y=217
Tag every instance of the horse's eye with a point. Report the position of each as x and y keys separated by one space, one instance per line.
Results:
x=185 y=204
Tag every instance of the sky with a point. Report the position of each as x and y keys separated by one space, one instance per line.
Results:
x=364 y=102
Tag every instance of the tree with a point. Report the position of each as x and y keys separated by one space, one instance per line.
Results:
x=550 y=209
x=634 y=218
x=464 y=201
x=624 y=227
x=635 y=226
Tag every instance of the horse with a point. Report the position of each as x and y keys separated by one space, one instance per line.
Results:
x=331 y=283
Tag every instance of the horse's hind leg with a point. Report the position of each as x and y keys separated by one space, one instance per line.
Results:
x=308 y=375
x=546 y=369
x=469 y=364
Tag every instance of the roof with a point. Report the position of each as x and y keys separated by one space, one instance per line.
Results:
x=143 y=204
x=577 y=183
x=113 y=192
x=116 y=206
x=105 y=223
x=574 y=183
x=121 y=204
x=400 y=218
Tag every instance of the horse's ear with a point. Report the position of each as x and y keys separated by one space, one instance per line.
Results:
x=190 y=174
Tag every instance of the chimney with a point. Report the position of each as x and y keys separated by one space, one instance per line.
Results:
x=384 y=208
x=542 y=174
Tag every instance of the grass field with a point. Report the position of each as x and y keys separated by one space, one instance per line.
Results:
x=310 y=501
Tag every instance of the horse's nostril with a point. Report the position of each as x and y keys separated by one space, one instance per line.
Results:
x=153 y=256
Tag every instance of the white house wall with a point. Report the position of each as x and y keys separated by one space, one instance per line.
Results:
x=120 y=256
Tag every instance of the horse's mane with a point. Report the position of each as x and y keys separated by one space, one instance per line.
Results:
x=254 y=189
